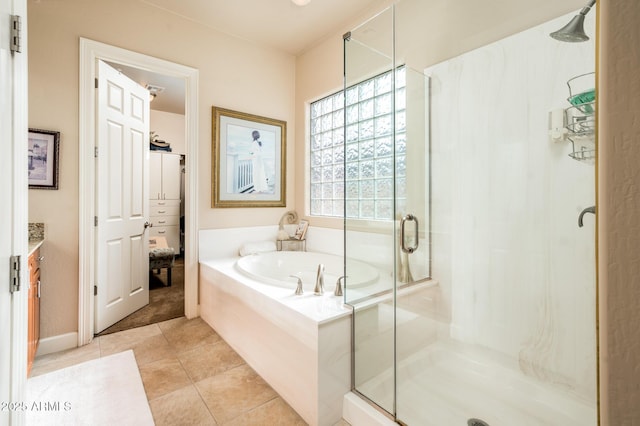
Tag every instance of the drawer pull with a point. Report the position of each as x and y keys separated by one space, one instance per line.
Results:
x=162 y=221
x=162 y=232
x=162 y=211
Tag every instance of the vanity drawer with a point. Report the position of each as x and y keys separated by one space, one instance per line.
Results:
x=171 y=210
x=165 y=220
x=153 y=203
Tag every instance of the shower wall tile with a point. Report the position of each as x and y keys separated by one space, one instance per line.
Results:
x=517 y=272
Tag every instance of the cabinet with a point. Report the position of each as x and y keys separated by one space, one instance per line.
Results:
x=34 y=307
x=165 y=179
x=164 y=176
x=165 y=217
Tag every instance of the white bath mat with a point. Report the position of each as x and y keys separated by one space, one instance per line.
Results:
x=104 y=391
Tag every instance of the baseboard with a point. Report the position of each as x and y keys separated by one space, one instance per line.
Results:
x=58 y=343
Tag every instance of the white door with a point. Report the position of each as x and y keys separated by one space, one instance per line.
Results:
x=13 y=216
x=122 y=252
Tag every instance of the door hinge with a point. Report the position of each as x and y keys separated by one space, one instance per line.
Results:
x=96 y=83
x=95 y=221
x=95 y=151
x=95 y=290
x=15 y=33
x=14 y=273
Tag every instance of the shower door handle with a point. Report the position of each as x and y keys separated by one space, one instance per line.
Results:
x=409 y=218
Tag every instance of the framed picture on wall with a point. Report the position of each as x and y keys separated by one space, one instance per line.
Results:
x=301 y=230
x=43 y=153
x=249 y=160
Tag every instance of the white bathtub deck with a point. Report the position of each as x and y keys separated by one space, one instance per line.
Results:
x=300 y=345
x=315 y=308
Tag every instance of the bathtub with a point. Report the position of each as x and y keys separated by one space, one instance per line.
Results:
x=276 y=268
x=300 y=344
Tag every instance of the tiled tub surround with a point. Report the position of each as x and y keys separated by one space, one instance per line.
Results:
x=299 y=344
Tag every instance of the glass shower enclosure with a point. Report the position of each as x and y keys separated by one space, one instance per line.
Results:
x=483 y=312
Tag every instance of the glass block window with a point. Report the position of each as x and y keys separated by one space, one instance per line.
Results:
x=354 y=163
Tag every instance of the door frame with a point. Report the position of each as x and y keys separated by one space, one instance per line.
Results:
x=90 y=52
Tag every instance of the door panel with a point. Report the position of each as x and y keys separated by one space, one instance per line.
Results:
x=122 y=197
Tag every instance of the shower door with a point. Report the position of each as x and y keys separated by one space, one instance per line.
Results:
x=386 y=204
x=455 y=189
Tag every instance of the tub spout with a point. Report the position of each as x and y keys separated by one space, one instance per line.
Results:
x=299 y=287
x=338 y=290
x=319 y=288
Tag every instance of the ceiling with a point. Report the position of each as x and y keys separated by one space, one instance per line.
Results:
x=278 y=24
x=275 y=24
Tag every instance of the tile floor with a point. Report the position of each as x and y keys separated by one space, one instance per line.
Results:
x=190 y=375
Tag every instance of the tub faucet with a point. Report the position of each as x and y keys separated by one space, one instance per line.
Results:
x=319 y=288
x=299 y=287
x=338 y=290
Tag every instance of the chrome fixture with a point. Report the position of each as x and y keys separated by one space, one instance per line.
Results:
x=153 y=91
x=299 y=287
x=403 y=243
x=573 y=32
x=591 y=209
x=338 y=290
x=319 y=288
x=404 y=272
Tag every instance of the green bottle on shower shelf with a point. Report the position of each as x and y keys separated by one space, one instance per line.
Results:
x=583 y=101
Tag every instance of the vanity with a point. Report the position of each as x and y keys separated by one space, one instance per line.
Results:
x=33 y=261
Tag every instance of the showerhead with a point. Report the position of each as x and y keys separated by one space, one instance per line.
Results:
x=573 y=32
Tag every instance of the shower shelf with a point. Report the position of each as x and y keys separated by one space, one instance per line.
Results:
x=585 y=152
x=580 y=118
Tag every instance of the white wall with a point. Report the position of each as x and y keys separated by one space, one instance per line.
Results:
x=518 y=272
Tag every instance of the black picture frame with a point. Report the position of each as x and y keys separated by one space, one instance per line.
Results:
x=43 y=159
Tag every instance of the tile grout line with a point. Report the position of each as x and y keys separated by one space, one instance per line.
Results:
x=193 y=384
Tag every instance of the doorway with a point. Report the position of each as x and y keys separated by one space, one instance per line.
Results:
x=163 y=281
x=90 y=53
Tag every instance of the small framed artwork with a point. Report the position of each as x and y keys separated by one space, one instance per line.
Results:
x=249 y=160
x=43 y=152
x=301 y=230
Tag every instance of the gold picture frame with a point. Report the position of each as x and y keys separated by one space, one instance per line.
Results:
x=249 y=160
